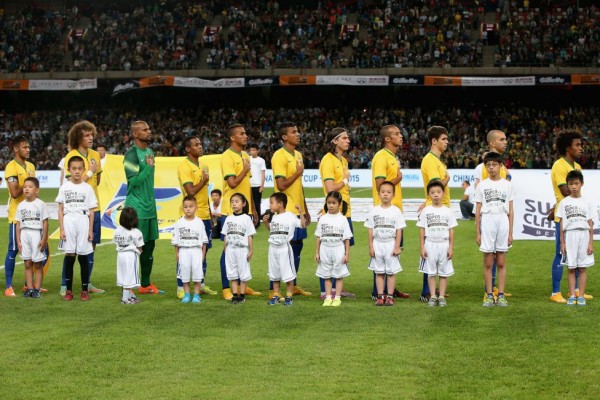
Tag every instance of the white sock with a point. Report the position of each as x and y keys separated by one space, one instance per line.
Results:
x=338 y=297
x=126 y=294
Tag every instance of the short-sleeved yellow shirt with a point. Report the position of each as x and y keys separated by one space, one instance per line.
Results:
x=232 y=164
x=559 y=172
x=92 y=157
x=333 y=168
x=433 y=168
x=190 y=172
x=385 y=166
x=15 y=172
x=284 y=165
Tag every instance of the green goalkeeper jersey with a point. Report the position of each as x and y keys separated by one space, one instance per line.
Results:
x=140 y=182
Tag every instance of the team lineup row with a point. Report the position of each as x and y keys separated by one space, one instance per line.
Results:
x=79 y=209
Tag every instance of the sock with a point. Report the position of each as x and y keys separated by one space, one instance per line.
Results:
x=69 y=263
x=64 y=279
x=90 y=264
x=126 y=294
x=338 y=297
x=322 y=284
x=328 y=298
x=9 y=267
x=491 y=295
x=146 y=261
x=288 y=294
x=374 y=291
x=425 y=290
x=224 y=280
x=85 y=272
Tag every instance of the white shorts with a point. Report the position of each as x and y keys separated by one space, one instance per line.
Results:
x=281 y=264
x=494 y=233
x=331 y=265
x=30 y=241
x=77 y=229
x=384 y=261
x=190 y=264
x=237 y=265
x=576 y=243
x=437 y=262
x=128 y=275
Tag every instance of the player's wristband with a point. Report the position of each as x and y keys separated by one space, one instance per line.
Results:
x=89 y=174
x=345 y=182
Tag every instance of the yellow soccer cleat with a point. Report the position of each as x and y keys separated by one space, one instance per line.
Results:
x=227 y=294
x=298 y=291
x=250 y=292
x=558 y=298
x=180 y=293
x=496 y=293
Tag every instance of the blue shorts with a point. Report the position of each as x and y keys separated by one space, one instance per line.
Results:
x=97 y=228
x=208 y=229
x=12 y=237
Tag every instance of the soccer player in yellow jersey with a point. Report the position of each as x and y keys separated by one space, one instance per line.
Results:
x=193 y=178
x=433 y=169
x=235 y=167
x=288 y=166
x=385 y=166
x=15 y=174
x=335 y=176
x=569 y=147
x=81 y=139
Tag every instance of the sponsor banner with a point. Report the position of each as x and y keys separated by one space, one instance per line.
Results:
x=407 y=80
x=442 y=81
x=297 y=80
x=206 y=83
x=553 y=80
x=498 y=81
x=534 y=199
x=125 y=87
x=14 y=84
x=62 y=84
x=48 y=179
x=353 y=80
x=262 y=81
x=585 y=79
x=159 y=80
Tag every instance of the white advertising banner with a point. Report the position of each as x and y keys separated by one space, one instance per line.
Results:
x=48 y=179
x=62 y=84
x=498 y=81
x=353 y=80
x=205 y=83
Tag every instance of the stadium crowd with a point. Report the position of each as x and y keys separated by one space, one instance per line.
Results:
x=262 y=34
x=530 y=131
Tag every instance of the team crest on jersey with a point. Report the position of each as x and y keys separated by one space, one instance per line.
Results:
x=167 y=199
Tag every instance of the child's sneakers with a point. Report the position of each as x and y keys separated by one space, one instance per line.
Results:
x=68 y=295
x=489 y=301
x=85 y=296
x=389 y=301
x=327 y=302
x=380 y=301
x=336 y=303
x=288 y=301
x=235 y=299
x=28 y=293
x=581 y=301
x=502 y=302
x=442 y=301
x=207 y=290
x=572 y=301
x=196 y=299
x=432 y=301
x=274 y=300
x=186 y=298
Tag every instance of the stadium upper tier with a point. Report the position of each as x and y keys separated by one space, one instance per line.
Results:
x=259 y=35
x=530 y=130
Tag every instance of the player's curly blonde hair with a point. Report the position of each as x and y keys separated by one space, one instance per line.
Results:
x=76 y=132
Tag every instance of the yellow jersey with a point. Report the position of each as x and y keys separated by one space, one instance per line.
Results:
x=385 y=166
x=560 y=169
x=284 y=165
x=232 y=164
x=189 y=172
x=92 y=157
x=432 y=168
x=333 y=168
x=15 y=172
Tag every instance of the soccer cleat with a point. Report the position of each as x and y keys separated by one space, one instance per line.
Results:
x=558 y=298
x=207 y=290
x=186 y=298
x=496 y=293
x=85 y=295
x=400 y=294
x=36 y=294
x=347 y=295
x=502 y=302
x=389 y=301
x=196 y=299
x=227 y=294
x=489 y=302
x=336 y=303
x=288 y=301
x=585 y=295
x=28 y=293
x=42 y=290
x=442 y=301
x=432 y=301
x=127 y=301
x=63 y=291
x=581 y=301
x=93 y=289
x=9 y=292
x=274 y=300
x=134 y=300
x=380 y=301
x=180 y=292
x=157 y=290
x=235 y=299
x=327 y=302
x=241 y=299
x=68 y=295
x=251 y=292
x=298 y=291
x=151 y=289
x=425 y=298
x=572 y=301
